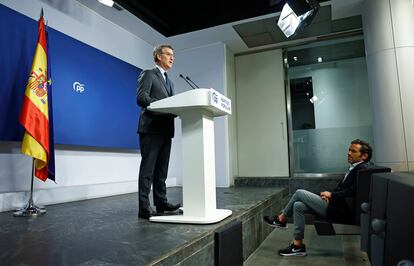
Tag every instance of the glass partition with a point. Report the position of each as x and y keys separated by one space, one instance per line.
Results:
x=329 y=104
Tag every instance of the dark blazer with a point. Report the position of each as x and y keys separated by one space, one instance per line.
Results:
x=151 y=88
x=338 y=208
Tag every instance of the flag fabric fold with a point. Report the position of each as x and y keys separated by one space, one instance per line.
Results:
x=51 y=162
x=35 y=113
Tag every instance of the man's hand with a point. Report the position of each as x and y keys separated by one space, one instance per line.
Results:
x=326 y=196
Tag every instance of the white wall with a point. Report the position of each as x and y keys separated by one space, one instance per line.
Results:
x=232 y=119
x=261 y=115
x=81 y=172
x=206 y=67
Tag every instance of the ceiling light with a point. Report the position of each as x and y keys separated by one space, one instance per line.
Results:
x=297 y=14
x=319 y=59
x=295 y=58
x=107 y=2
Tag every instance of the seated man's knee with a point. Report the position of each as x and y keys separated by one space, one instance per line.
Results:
x=300 y=192
x=299 y=206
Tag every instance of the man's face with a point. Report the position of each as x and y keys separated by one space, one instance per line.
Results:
x=166 y=58
x=354 y=154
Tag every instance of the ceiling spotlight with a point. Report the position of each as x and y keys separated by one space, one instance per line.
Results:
x=319 y=59
x=295 y=58
x=297 y=14
x=107 y=2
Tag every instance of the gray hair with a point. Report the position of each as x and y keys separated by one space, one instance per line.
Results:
x=158 y=50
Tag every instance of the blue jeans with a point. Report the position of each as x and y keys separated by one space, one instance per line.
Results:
x=302 y=202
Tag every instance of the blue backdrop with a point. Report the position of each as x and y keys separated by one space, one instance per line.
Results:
x=93 y=92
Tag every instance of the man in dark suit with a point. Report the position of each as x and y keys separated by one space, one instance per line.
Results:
x=327 y=204
x=155 y=133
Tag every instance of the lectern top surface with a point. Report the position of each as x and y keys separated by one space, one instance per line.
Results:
x=203 y=100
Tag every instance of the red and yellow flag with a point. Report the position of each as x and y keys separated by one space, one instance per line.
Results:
x=34 y=115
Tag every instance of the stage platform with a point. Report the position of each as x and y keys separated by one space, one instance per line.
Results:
x=107 y=231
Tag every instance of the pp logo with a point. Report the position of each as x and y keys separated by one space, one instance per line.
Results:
x=215 y=97
x=78 y=87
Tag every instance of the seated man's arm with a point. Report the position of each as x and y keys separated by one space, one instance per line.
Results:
x=347 y=192
x=326 y=195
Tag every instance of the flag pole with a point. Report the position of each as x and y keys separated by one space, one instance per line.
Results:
x=30 y=209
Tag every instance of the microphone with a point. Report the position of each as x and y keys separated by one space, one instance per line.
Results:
x=192 y=82
x=181 y=76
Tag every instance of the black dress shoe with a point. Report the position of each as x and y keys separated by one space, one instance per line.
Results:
x=146 y=213
x=167 y=207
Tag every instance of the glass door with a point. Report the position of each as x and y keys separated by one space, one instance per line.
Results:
x=328 y=104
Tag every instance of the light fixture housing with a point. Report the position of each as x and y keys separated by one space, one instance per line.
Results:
x=109 y=3
x=297 y=14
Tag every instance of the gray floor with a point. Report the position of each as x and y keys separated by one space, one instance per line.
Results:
x=107 y=231
x=322 y=250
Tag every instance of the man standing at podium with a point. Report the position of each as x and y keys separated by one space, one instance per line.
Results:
x=155 y=133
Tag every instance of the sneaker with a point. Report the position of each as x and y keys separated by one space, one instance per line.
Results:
x=293 y=250
x=274 y=221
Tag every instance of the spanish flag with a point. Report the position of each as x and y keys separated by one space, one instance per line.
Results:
x=35 y=115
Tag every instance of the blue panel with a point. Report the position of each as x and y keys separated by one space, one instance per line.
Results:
x=94 y=95
x=93 y=92
x=17 y=46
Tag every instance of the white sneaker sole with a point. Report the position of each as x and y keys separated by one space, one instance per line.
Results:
x=278 y=226
x=297 y=254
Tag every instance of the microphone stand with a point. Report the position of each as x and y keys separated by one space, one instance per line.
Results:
x=192 y=82
x=181 y=76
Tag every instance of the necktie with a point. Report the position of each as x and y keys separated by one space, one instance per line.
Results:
x=167 y=81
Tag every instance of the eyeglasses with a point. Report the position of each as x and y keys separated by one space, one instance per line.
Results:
x=169 y=54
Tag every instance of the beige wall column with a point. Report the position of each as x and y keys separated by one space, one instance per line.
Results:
x=389 y=43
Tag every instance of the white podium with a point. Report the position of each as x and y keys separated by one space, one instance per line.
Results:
x=197 y=109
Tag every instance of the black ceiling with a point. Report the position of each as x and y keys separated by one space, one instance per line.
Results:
x=176 y=17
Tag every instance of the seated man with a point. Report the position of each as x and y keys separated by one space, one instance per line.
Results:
x=326 y=204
